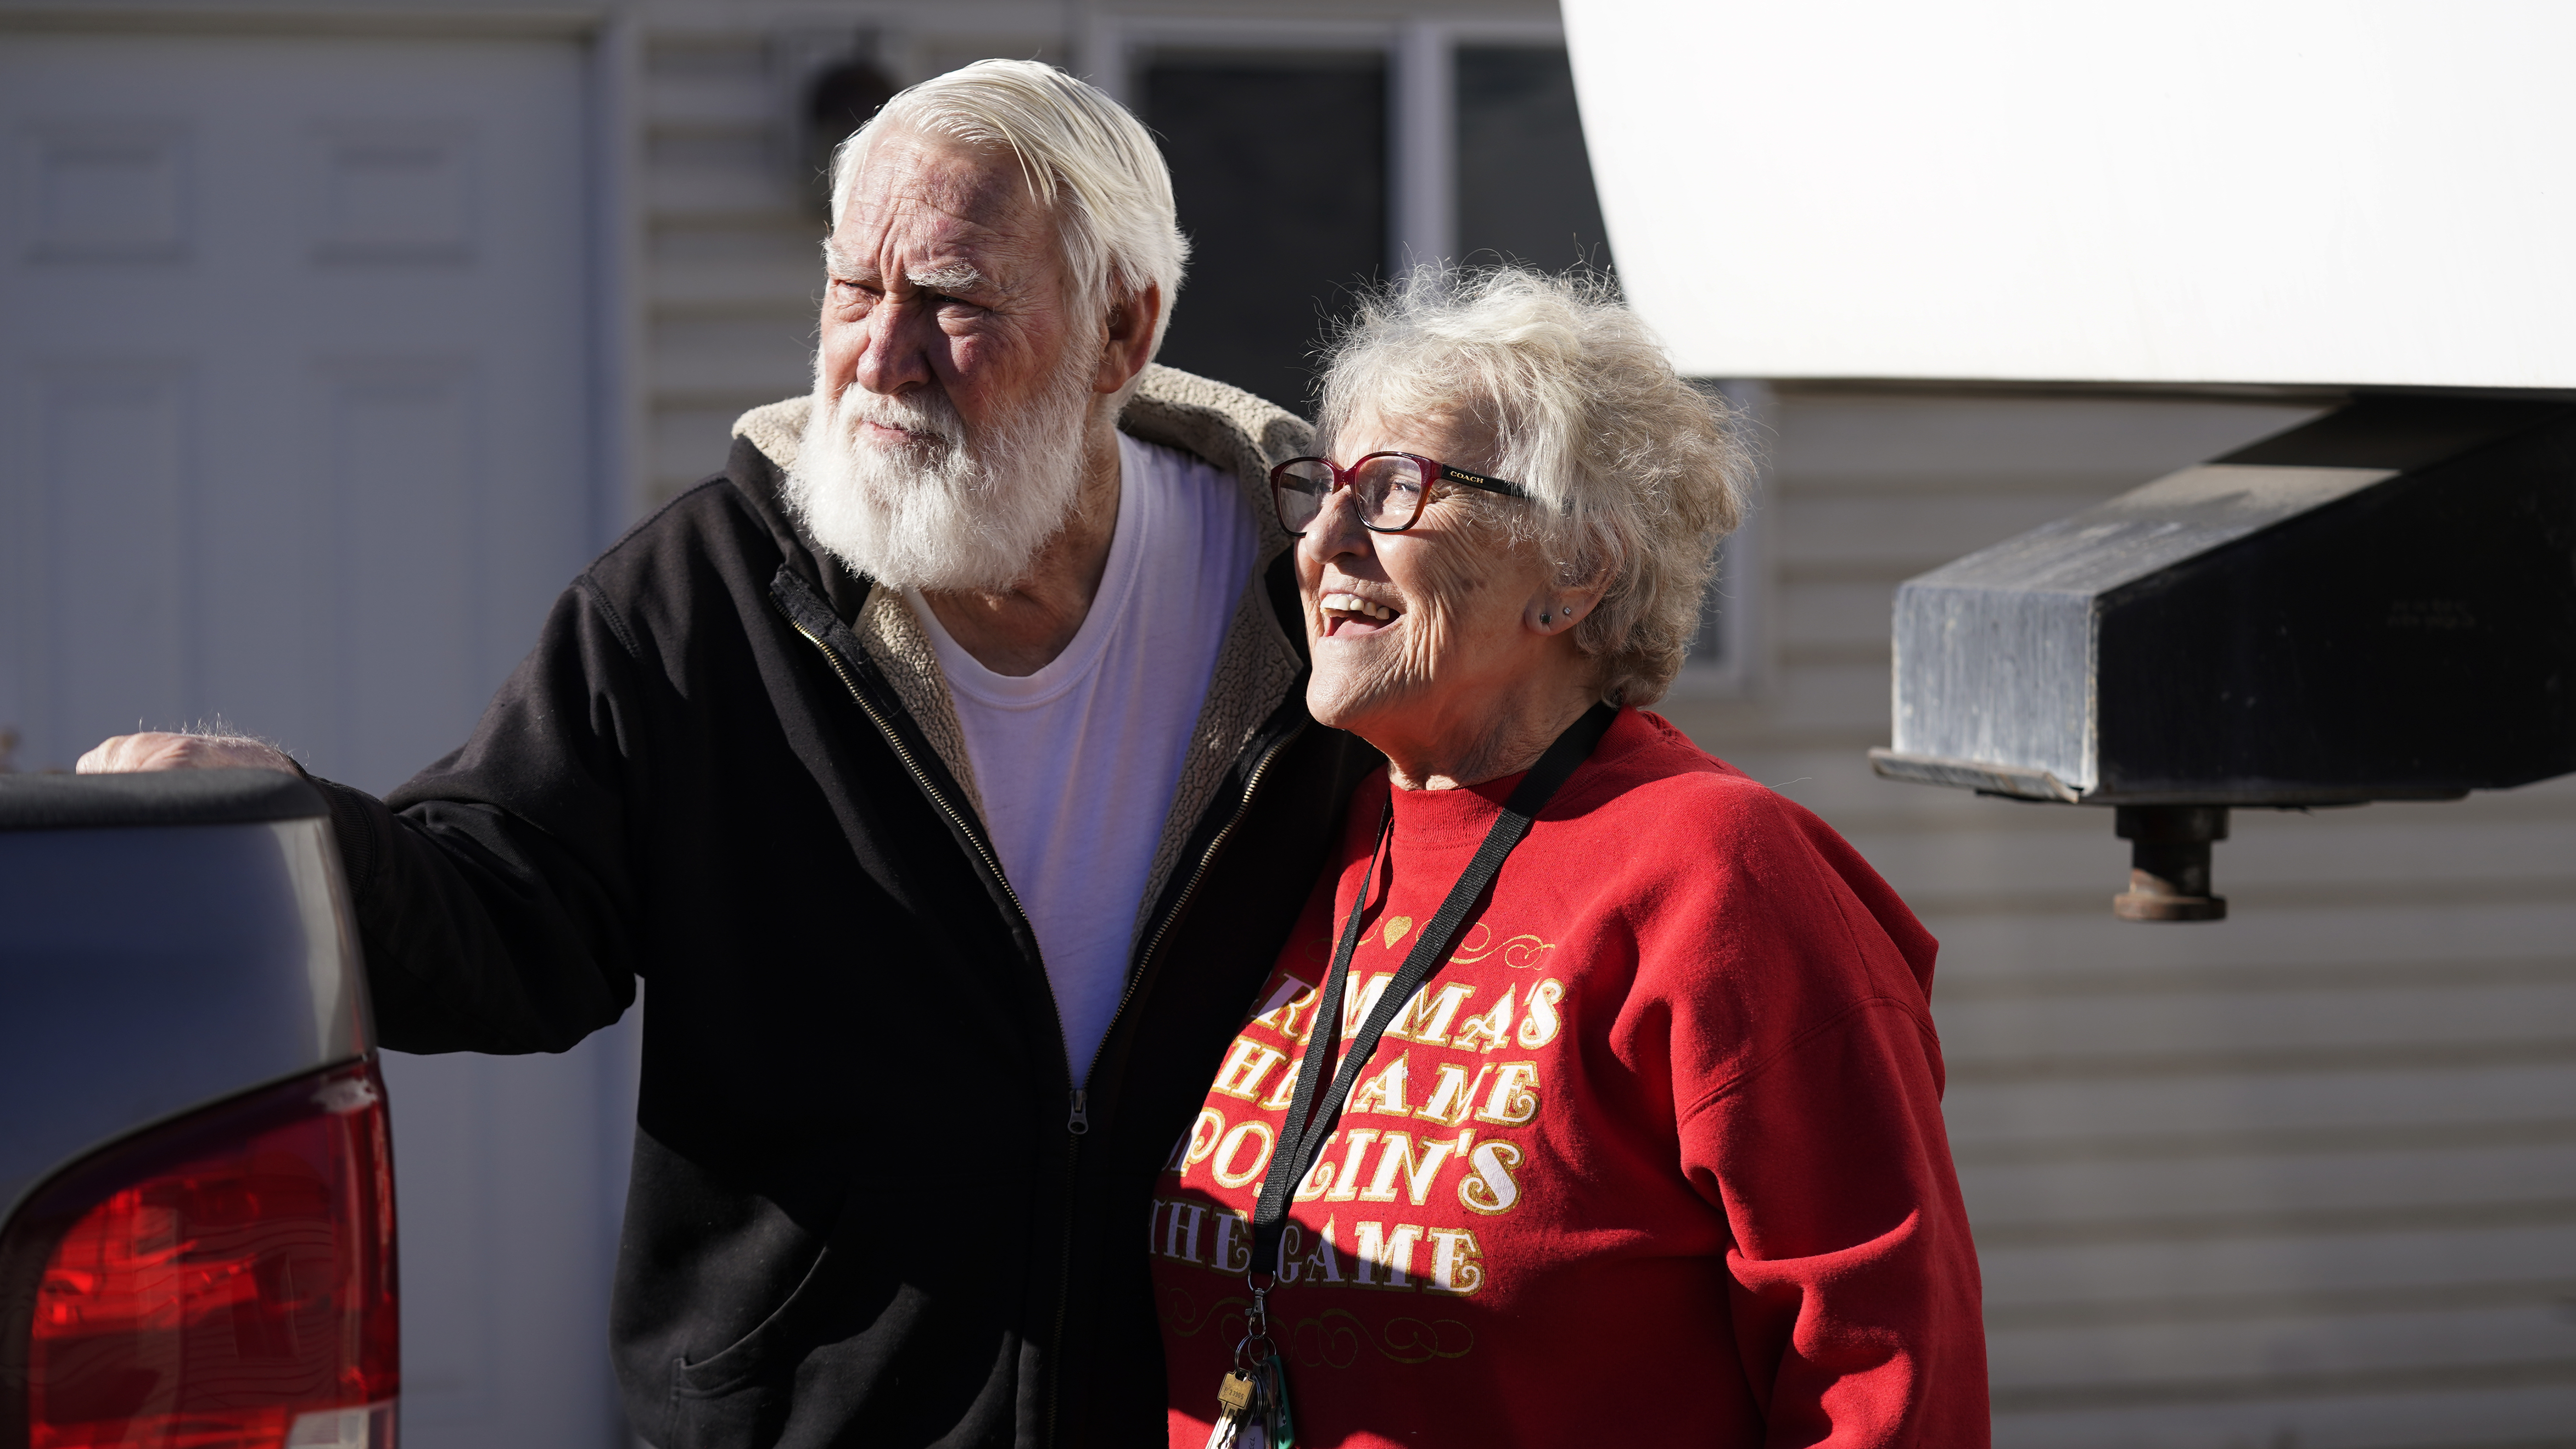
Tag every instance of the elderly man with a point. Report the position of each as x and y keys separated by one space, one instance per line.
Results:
x=943 y=765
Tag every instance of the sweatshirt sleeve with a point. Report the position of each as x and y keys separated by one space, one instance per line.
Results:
x=1851 y=1278
x=1851 y=1275
x=493 y=889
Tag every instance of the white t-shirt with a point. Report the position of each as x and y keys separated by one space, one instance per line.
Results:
x=1077 y=762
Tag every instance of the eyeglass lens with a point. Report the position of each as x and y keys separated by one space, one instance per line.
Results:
x=1386 y=490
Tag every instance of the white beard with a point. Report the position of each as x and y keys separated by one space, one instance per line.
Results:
x=954 y=510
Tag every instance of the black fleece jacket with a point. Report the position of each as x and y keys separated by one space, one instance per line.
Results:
x=862 y=1211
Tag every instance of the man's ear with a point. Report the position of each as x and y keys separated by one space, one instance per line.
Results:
x=1129 y=343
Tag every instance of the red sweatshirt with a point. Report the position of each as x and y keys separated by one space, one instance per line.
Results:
x=1655 y=1158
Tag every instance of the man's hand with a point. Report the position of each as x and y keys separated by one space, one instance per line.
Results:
x=159 y=751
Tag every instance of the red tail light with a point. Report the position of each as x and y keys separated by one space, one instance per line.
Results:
x=225 y=1282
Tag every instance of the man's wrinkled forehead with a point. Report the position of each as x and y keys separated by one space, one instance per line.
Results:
x=963 y=203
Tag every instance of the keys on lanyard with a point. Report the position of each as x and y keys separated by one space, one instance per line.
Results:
x=1240 y=1416
x=1252 y=1401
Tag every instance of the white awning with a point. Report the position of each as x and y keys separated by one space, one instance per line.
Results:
x=2196 y=191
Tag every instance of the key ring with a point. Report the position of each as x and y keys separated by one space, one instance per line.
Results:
x=1256 y=1327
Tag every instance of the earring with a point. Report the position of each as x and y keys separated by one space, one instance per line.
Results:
x=1569 y=611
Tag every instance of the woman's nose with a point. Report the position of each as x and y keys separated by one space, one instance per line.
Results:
x=1336 y=531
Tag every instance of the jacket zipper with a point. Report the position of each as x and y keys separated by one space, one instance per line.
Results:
x=1081 y=1122
x=1078 y=1116
x=1207 y=859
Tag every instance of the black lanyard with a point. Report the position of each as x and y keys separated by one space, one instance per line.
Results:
x=1297 y=1149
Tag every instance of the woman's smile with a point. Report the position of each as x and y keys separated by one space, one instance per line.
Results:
x=1348 y=613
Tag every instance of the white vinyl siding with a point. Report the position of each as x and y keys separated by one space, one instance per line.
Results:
x=732 y=265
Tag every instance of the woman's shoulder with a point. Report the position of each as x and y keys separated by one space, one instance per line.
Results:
x=1653 y=773
x=1711 y=847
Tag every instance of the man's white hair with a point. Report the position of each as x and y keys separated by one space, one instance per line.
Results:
x=1091 y=164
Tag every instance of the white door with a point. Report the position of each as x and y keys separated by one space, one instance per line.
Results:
x=296 y=433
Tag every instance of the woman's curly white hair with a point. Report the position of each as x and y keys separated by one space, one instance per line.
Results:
x=1639 y=475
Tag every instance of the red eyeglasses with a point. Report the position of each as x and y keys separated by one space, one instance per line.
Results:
x=1388 y=488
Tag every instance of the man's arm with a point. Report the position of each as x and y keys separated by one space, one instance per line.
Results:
x=494 y=907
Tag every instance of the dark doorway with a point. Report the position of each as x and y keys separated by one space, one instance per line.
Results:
x=1524 y=182
x=1279 y=169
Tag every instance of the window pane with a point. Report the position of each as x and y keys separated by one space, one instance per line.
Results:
x=1279 y=169
x=1524 y=182
x=1708 y=648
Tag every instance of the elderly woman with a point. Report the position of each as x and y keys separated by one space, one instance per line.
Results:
x=1632 y=1133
